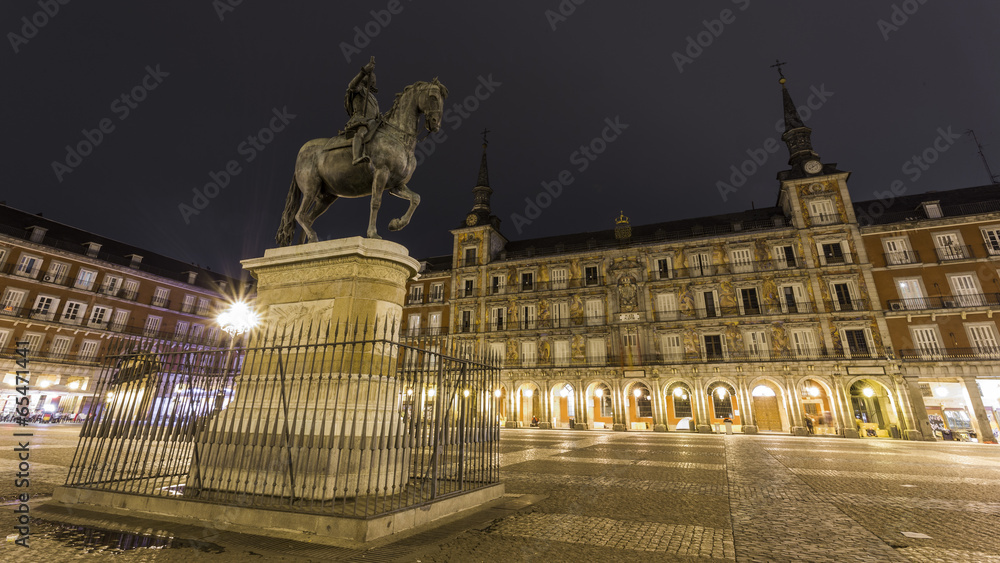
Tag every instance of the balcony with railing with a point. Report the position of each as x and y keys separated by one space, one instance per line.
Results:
x=736 y=311
x=700 y=357
x=538 y=286
x=550 y=323
x=934 y=353
x=160 y=302
x=901 y=257
x=944 y=302
x=854 y=304
x=954 y=253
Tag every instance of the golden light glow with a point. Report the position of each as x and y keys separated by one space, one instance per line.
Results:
x=868 y=392
x=497 y=393
x=721 y=392
x=678 y=392
x=814 y=391
x=74 y=385
x=239 y=318
x=637 y=393
x=599 y=393
x=527 y=393
x=465 y=393
x=431 y=392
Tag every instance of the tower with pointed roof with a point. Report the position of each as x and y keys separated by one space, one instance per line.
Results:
x=478 y=238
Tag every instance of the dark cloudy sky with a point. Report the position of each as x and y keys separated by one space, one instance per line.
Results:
x=889 y=89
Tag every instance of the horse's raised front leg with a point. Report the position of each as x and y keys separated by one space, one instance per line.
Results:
x=310 y=190
x=379 y=179
x=403 y=192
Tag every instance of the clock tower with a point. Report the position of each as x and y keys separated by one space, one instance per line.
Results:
x=478 y=238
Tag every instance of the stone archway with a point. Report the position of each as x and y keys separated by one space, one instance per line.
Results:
x=872 y=408
x=600 y=401
x=766 y=399
x=528 y=405
x=563 y=400
x=680 y=409
x=639 y=406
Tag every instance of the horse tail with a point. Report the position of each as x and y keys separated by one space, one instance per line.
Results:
x=287 y=228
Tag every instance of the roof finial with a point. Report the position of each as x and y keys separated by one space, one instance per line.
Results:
x=485 y=133
x=778 y=64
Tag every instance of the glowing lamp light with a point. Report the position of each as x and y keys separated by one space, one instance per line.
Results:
x=528 y=393
x=941 y=391
x=238 y=319
x=465 y=393
x=678 y=392
x=431 y=392
x=599 y=393
x=497 y=393
x=409 y=392
x=868 y=392
x=721 y=392
x=814 y=391
x=74 y=385
x=111 y=396
x=44 y=384
x=637 y=393
x=564 y=393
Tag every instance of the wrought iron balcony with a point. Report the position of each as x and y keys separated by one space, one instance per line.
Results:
x=700 y=357
x=901 y=257
x=944 y=302
x=954 y=252
x=934 y=353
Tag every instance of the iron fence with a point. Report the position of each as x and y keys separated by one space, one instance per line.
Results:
x=339 y=419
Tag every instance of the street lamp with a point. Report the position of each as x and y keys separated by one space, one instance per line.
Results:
x=237 y=319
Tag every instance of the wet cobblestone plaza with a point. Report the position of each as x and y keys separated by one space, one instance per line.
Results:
x=603 y=496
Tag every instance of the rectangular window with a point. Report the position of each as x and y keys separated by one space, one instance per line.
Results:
x=991 y=238
x=496 y=352
x=45 y=308
x=497 y=284
x=741 y=260
x=722 y=405
x=98 y=316
x=188 y=305
x=756 y=343
x=204 y=306
x=73 y=312
x=926 y=341
x=85 y=279
x=966 y=292
x=713 y=347
x=413 y=324
x=701 y=264
x=793 y=299
x=130 y=290
x=527 y=281
x=607 y=409
x=672 y=348
x=842 y=297
x=181 y=330
x=12 y=301
x=708 y=299
x=152 y=326
x=60 y=347
x=529 y=353
x=896 y=251
x=682 y=403
x=596 y=351
x=470 y=257
x=833 y=253
x=749 y=304
x=466 y=321
x=111 y=285
x=89 y=349
x=119 y=321
x=528 y=317
x=785 y=256
x=496 y=318
x=590 y=275
x=666 y=306
x=594 y=309
x=34 y=340
x=949 y=247
x=416 y=294
x=857 y=343
x=4 y=339
x=470 y=287
x=160 y=297
x=560 y=314
x=911 y=296
x=57 y=272
x=562 y=353
x=3 y=255
x=822 y=212
x=663 y=268
x=434 y=323
x=212 y=338
x=28 y=266
x=196 y=333
x=560 y=278
x=983 y=339
x=437 y=292
x=804 y=343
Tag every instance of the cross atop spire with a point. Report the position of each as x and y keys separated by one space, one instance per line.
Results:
x=778 y=64
x=485 y=133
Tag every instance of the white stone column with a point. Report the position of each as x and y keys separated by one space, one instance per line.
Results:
x=980 y=421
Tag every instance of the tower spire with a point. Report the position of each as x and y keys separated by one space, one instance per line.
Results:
x=484 y=175
x=481 y=213
x=797 y=137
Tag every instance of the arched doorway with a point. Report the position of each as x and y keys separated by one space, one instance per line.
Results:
x=680 y=412
x=564 y=402
x=817 y=408
x=766 y=410
x=529 y=404
x=872 y=409
x=723 y=403
x=640 y=407
x=601 y=403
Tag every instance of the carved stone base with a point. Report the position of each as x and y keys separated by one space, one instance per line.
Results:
x=618 y=427
x=545 y=425
x=659 y=428
x=581 y=426
x=749 y=429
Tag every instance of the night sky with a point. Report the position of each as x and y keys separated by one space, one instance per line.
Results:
x=884 y=85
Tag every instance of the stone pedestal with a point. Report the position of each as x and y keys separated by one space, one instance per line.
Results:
x=799 y=431
x=659 y=428
x=545 y=425
x=338 y=394
x=705 y=429
x=749 y=429
x=851 y=433
x=618 y=427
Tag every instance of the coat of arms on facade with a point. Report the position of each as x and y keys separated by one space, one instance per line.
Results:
x=628 y=294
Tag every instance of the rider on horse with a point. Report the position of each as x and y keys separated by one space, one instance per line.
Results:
x=362 y=107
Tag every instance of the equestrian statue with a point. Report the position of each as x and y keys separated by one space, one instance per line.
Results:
x=373 y=154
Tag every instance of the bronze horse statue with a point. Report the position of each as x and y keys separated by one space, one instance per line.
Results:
x=321 y=176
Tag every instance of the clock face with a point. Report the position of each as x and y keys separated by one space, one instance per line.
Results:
x=471 y=219
x=813 y=166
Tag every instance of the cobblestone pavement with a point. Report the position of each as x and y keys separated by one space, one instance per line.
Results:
x=635 y=496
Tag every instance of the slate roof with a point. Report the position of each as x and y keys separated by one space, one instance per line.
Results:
x=954 y=203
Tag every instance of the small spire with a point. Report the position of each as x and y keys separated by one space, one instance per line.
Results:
x=484 y=175
x=797 y=136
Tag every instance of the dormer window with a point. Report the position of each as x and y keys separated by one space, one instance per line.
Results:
x=932 y=209
x=822 y=212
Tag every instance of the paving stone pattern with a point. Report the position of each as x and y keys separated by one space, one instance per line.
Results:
x=632 y=496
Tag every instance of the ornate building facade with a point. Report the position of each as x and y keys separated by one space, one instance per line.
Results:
x=770 y=319
x=67 y=292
